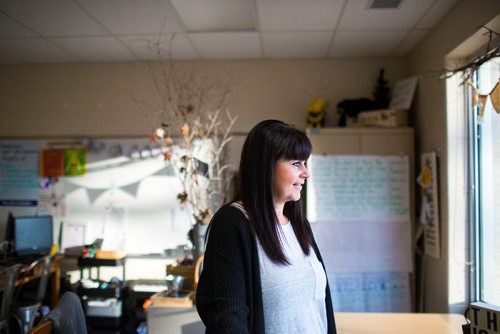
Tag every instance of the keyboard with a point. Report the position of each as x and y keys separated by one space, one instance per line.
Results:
x=24 y=259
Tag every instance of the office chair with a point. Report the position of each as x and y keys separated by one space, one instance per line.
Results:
x=11 y=274
x=25 y=308
x=44 y=327
x=66 y=317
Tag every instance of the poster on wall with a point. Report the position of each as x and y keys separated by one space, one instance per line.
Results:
x=429 y=211
x=19 y=172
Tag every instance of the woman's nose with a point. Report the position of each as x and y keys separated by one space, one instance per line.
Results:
x=305 y=173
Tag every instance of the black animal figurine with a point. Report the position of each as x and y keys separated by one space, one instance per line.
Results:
x=351 y=108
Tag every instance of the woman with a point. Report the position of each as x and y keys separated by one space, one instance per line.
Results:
x=262 y=270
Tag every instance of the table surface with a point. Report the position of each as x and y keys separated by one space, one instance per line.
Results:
x=160 y=318
x=398 y=323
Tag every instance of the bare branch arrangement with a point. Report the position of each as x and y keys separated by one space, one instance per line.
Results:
x=191 y=129
x=468 y=69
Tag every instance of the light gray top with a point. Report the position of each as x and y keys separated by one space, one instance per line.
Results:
x=293 y=295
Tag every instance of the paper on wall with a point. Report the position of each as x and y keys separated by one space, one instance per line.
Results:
x=362 y=246
x=358 y=188
x=370 y=292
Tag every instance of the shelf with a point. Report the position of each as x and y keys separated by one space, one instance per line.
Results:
x=104 y=322
x=115 y=292
x=91 y=262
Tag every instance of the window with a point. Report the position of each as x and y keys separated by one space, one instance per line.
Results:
x=484 y=152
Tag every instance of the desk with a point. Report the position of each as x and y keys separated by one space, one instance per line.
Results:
x=397 y=323
x=187 y=321
x=55 y=279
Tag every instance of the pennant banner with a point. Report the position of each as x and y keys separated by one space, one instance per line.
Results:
x=94 y=194
x=480 y=100
x=131 y=189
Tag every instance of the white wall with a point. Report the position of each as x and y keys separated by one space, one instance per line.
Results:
x=94 y=99
x=435 y=132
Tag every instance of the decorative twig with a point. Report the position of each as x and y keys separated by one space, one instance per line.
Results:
x=188 y=113
x=473 y=65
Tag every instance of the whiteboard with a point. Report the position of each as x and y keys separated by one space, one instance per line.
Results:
x=359 y=208
x=360 y=203
x=358 y=188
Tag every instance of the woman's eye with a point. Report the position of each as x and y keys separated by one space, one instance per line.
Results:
x=296 y=164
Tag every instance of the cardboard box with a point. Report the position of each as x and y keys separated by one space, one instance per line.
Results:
x=165 y=299
x=383 y=118
x=110 y=254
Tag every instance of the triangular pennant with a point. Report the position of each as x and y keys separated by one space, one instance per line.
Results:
x=68 y=188
x=482 y=104
x=495 y=97
x=475 y=98
x=94 y=194
x=168 y=170
x=131 y=188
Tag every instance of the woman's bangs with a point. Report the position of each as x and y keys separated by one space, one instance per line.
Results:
x=296 y=147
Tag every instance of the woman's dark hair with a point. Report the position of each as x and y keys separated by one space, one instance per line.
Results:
x=266 y=143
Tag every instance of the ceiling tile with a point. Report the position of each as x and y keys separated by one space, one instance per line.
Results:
x=143 y=46
x=438 y=11
x=6 y=59
x=35 y=50
x=216 y=15
x=357 y=16
x=366 y=44
x=95 y=49
x=230 y=45
x=413 y=38
x=133 y=17
x=296 y=45
x=11 y=29
x=52 y=17
x=298 y=15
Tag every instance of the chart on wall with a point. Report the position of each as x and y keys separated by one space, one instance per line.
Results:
x=359 y=209
x=19 y=172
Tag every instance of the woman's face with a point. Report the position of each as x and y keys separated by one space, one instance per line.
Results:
x=289 y=177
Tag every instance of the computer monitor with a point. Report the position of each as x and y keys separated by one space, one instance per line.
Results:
x=32 y=235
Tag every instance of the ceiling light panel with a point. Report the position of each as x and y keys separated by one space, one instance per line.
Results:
x=216 y=15
x=52 y=17
x=358 y=16
x=133 y=17
x=298 y=15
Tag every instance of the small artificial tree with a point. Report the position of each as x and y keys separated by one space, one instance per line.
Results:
x=382 y=92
